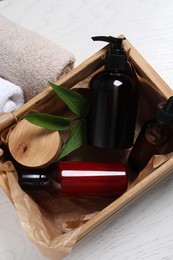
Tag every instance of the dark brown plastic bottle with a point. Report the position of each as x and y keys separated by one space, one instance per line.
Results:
x=154 y=135
x=113 y=101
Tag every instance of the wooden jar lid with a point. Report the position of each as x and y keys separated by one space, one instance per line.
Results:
x=33 y=146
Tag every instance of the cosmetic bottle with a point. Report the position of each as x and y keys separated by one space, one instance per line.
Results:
x=77 y=179
x=153 y=137
x=113 y=100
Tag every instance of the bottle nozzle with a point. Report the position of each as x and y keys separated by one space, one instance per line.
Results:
x=116 y=58
x=116 y=42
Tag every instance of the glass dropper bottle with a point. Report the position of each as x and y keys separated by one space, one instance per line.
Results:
x=154 y=135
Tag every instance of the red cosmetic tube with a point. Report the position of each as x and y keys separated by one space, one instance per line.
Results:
x=79 y=179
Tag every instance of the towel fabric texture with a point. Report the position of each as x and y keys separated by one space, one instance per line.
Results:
x=29 y=60
x=11 y=96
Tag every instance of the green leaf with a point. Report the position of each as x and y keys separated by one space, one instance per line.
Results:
x=74 y=141
x=75 y=102
x=48 y=121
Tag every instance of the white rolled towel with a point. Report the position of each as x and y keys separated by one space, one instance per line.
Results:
x=11 y=96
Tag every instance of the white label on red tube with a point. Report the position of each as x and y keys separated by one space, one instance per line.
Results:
x=83 y=173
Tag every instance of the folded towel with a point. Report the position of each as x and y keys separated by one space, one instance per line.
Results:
x=11 y=96
x=29 y=60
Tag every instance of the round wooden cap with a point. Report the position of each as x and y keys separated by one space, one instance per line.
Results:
x=33 y=146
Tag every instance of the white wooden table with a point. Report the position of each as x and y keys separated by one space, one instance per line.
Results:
x=144 y=229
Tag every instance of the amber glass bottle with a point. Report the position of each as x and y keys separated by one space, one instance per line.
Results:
x=154 y=135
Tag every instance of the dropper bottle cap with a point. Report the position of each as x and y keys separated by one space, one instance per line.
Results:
x=116 y=58
x=165 y=112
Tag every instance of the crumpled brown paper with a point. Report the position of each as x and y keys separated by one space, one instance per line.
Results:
x=53 y=224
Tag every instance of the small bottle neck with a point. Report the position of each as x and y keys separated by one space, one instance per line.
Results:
x=114 y=71
x=157 y=133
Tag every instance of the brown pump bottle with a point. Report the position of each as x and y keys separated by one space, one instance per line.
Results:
x=113 y=102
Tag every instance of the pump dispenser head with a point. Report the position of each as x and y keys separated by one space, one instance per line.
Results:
x=116 y=58
x=165 y=112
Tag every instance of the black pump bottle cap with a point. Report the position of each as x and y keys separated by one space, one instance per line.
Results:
x=116 y=58
x=165 y=112
x=34 y=179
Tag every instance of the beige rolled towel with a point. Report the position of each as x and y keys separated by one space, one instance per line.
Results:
x=29 y=60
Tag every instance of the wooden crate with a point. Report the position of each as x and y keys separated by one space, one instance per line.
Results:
x=46 y=101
